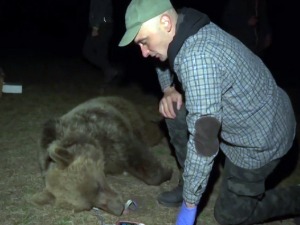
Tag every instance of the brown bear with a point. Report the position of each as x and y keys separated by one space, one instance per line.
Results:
x=105 y=135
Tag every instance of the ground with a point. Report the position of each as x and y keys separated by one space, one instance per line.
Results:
x=51 y=88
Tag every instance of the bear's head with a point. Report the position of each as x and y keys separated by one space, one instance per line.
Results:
x=75 y=178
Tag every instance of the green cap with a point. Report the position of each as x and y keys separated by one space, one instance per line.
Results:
x=140 y=11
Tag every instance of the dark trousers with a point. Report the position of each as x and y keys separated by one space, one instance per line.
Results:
x=178 y=133
x=96 y=49
x=244 y=200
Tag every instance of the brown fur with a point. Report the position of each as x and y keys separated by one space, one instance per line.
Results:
x=105 y=135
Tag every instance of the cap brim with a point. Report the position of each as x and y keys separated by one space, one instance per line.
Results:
x=129 y=35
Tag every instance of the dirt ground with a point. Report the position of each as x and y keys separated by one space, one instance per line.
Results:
x=53 y=87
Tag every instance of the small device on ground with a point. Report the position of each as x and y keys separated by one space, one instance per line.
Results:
x=128 y=223
x=129 y=205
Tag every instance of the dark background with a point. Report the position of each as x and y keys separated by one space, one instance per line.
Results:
x=58 y=28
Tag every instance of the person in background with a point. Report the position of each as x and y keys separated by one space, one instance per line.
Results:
x=232 y=104
x=96 y=47
x=248 y=21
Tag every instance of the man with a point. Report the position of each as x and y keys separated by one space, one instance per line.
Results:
x=97 y=44
x=232 y=103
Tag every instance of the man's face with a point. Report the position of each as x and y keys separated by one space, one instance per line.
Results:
x=153 y=39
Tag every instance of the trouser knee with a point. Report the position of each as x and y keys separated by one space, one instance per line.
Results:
x=234 y=210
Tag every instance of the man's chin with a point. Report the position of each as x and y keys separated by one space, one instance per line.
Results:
x=163 y=59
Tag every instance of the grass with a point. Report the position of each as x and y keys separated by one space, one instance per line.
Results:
x=52 y=95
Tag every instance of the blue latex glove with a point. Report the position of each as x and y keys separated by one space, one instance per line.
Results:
x=186 y=216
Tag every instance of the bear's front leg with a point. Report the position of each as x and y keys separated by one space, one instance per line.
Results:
x=145 y=166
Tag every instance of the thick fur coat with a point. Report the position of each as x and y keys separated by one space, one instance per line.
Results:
x=105 y=135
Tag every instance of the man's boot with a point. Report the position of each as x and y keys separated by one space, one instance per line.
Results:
x=172 y=198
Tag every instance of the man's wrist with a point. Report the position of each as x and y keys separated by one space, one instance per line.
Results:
x=168 y=89
x=190 y=205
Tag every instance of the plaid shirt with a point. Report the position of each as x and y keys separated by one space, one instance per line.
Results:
x=221 y=78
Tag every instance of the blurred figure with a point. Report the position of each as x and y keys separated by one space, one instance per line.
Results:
x=248 y=21
x=97 y=44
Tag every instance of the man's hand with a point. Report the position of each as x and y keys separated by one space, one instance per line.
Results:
x=187 y=214
x=95 y=31
x=166 y=103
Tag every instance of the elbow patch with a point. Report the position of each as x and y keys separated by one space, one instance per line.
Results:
x=206 y=137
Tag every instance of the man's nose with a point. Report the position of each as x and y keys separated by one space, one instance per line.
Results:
x=145 y=51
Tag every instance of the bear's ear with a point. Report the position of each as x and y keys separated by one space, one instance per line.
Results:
x=42 y=198
x=61 y=156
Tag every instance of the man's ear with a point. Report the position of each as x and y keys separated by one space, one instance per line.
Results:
x=166 y=22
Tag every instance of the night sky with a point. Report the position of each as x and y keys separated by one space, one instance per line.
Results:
x=59 y=27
